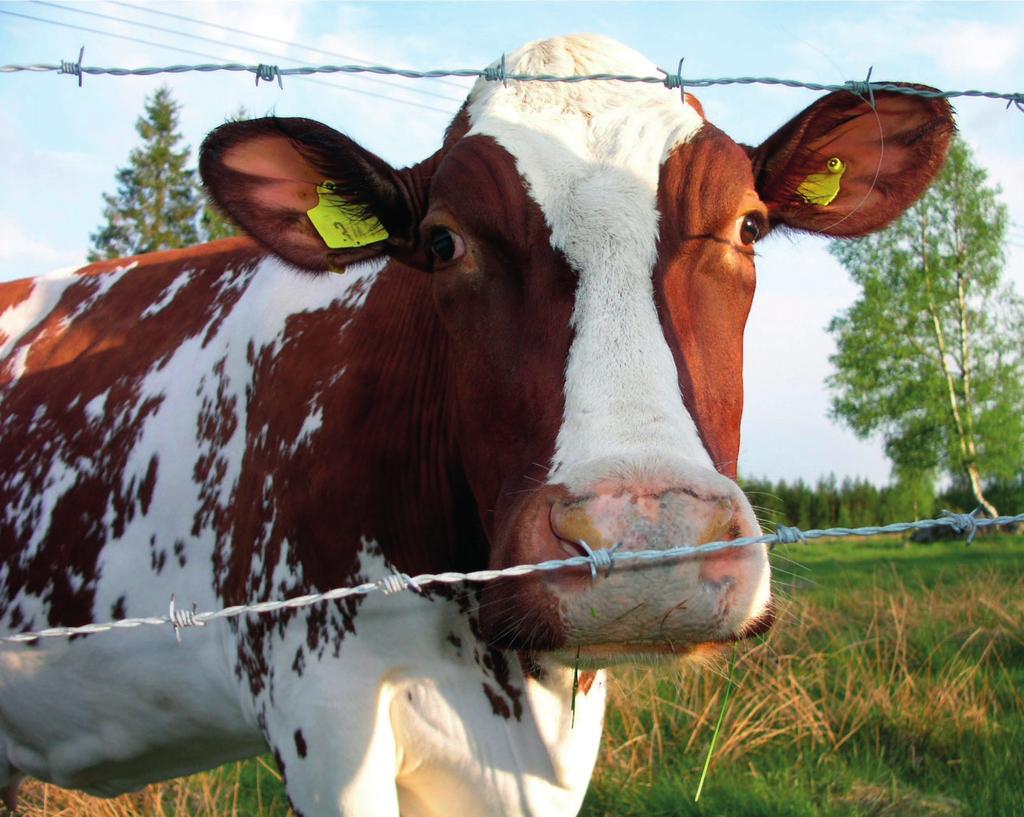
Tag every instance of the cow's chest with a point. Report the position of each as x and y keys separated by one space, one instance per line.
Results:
x=403 y=692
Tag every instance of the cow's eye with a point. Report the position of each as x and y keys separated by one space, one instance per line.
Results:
x=446 y=245
x=750 y=229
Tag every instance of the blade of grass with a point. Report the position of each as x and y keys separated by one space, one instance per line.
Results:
x=575 y=687
x=718 y=726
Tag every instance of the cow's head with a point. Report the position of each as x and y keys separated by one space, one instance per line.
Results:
x=592 y=250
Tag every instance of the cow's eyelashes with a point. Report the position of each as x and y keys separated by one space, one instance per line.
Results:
x=445 y=245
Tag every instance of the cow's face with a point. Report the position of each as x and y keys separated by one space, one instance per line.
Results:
x=592 y=251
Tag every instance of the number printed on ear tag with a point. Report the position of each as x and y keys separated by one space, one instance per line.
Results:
x=822 y=188
x=340 y=224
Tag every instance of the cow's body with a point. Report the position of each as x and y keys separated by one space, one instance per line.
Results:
x=404 y=670
x=217 y=425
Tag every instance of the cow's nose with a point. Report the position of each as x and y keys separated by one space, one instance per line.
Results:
x=661 y=520
x=640 y=521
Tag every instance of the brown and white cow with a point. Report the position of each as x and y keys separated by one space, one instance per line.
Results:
x=545 y=350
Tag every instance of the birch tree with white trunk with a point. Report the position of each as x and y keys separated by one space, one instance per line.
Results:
x=931 y=354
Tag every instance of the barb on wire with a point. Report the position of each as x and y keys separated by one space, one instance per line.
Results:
x=268 y=73
x=499 y=73
x=73 y=68
x=496 y=73
x=397 y=582
x=676 y=80
x=179 y=619
x=603 y=557
x=786 y=535
x=964 y=523
x=594 y=559
x=864 y=89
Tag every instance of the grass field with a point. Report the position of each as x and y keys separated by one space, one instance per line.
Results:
x=891 y=686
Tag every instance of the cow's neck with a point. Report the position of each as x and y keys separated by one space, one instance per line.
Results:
x=416 y=503
x=382 y=469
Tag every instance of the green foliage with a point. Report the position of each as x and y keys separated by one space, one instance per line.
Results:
x=213 y=224
x=1005 y=494
x=850 y=503
x=931 y=355
x=157 y=201
x=159 y=204
x=858 y=503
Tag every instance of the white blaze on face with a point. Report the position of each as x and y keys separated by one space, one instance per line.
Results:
x=590 y=154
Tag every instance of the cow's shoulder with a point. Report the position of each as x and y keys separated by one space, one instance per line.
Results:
x=142 y=400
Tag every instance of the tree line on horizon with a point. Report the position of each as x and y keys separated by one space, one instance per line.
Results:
x=856 y=502
x=930 y=357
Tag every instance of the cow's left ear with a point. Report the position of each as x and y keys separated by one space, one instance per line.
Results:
x=845 y=168
x=308 y=193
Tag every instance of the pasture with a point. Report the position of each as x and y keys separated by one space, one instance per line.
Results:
x=892 y=685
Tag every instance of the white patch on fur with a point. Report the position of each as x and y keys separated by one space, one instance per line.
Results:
x=94 y=408
x=100 y=284
x=312 y=424
x=165 y=710
x=424 y=723
x=590 y=154
x=19 y=320
x=168 y=295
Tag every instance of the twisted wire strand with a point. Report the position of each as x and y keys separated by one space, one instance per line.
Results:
x=498 y=74
x=178 y=619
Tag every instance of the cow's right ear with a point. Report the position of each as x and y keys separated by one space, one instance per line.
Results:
x=308 y=193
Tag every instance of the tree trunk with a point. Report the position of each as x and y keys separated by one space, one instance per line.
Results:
x=968 y=450
x=965 y=365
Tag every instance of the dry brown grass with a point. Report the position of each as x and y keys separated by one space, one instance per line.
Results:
x=228 y=792
x=917 y=661
x=924 y=664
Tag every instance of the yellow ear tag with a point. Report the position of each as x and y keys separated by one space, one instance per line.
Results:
x=822 y=188
x=340 y=224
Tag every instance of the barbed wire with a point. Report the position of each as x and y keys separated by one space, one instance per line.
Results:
x=254 y=51
x=72 y=67
x=498 y=73
x=604 y=558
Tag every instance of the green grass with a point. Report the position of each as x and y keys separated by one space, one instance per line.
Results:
x=891 y=686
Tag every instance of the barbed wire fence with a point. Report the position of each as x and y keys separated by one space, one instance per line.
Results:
x=604 y=559
x=498 y=73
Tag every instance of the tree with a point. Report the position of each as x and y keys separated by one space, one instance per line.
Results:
x=157 y=201
x=213 y=224
x=930 y=354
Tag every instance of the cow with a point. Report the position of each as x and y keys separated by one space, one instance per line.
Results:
x=531 y=350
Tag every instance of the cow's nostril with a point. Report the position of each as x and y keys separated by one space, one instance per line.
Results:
x=573 y=522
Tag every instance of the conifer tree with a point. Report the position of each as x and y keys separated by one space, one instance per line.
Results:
x=157 y=203
x=213 y=224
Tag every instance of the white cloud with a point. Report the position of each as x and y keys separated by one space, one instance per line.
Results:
x=942 y=46
x=970 y=47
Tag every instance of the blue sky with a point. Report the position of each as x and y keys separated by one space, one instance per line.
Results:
x=60 y=145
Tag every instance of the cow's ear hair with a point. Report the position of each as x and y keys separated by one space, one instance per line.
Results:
x=887 y=156
x=265 y=173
